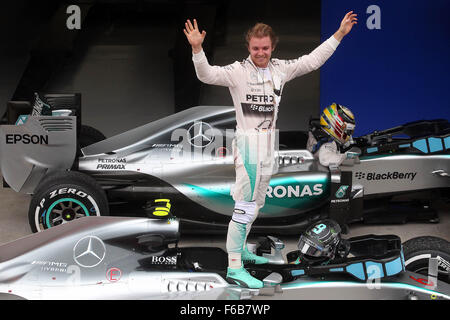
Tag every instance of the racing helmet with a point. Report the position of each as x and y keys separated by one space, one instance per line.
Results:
x=338 y=122
x=321 y=239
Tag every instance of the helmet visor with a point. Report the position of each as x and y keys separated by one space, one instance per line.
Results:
x=307 y=247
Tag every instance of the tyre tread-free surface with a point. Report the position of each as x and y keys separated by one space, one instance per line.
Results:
x=426 y=243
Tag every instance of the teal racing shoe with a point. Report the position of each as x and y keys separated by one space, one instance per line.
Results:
x=250 y=258
x=242 y=278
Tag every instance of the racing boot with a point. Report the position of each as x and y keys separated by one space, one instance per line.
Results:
x=242 y=278
x=251 y=258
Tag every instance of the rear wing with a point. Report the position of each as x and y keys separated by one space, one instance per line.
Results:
x=34 y=146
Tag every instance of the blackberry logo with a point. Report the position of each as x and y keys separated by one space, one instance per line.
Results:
x=374 y=176
x=360 y=175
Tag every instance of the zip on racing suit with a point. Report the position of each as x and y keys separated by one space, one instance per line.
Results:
x=256 y=96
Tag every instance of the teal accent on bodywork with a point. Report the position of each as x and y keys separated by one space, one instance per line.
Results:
x=407 y=145
x=435 y=144
x=372 y=150
x=393 y=285
x=447 y=142
x=376 y=156
x=374 y=270
x=341 y=191
x=337 y=270
x=297 y=272
x=219 y=194
x=296 y=192
x=22 y=120
x=357 y=270
x=394 y=267
x=298 y=179
x=421 y=145
x=293 y=185
x=47 y=218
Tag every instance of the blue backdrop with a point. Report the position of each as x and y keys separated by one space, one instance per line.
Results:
x=394 y=66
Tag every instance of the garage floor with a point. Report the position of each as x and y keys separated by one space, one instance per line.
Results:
x=14 y=225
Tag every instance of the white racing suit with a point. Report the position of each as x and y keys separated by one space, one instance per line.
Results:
x=253 y=154
x=328 y=153
x=256 y=98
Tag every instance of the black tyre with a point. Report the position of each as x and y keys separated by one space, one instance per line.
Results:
x=89 y=135
x=419 y=250
x=64 y=196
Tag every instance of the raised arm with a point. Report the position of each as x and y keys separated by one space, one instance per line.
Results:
x=193 y=35
x=322 y=53
x=346 y=26
x=221 y=76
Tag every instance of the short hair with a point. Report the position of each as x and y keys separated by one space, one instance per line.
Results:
x=261 y=30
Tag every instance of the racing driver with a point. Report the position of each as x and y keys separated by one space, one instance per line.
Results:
x=256 y=85
x=338 y=123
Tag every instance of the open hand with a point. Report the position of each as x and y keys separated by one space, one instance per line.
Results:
x=194 y=36
x=347 y=23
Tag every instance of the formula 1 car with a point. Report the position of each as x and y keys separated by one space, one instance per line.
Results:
x=139 y=258
x=185 y=159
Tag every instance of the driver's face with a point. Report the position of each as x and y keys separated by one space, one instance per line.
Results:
x=260 y=51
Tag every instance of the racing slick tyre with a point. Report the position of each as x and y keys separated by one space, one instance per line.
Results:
x=419 y=250
x=64 y=196
x=89 y=135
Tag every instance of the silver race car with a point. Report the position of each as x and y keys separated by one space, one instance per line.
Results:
x=140 y=258
x=183 y=163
